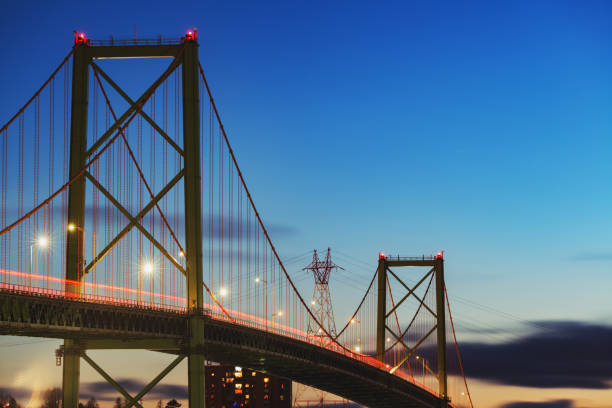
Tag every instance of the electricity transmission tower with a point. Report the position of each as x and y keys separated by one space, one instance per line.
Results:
x=321 y=304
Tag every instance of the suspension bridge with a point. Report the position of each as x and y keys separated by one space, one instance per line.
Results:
x=126 y=223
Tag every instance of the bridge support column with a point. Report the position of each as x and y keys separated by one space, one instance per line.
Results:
x=441 y=331
x=382 y=308
x=193 y=224
x=71 y=374
x=76 y=212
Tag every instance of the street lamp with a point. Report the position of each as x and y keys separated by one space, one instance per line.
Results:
x=41 y=242
x=148 y=268
x=424 y=364
x=259 y=280
x=353 y=321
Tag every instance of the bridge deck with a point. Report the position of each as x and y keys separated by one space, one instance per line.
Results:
x=109 y=326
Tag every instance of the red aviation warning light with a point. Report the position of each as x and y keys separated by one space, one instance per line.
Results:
x=80 y=38
x=440 y=255
x=381 y=255
x=192 y=35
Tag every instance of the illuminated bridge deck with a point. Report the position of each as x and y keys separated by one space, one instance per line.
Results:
x=99 y=325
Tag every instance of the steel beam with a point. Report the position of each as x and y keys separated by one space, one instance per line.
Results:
x=136 y=106
x=441 y=319
x=134 y=344
x=134 y=51
x=382 y=309
x=193 y=224
x=411 y=262
x=76 y=211
x=110 y=380
x=141 y=112
x=157 y=379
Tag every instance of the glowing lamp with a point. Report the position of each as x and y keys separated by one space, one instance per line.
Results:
x=42 y=241
x=71 y=227
x=440 y=255
x=381 y=255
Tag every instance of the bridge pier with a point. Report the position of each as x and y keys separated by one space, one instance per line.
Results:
x=71 y=371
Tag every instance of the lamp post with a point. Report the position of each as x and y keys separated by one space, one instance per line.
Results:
x=259 y=280
x=147 y=268
x=41 y=242
x=353 y=321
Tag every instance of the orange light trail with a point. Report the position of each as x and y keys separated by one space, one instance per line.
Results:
x=244 y=319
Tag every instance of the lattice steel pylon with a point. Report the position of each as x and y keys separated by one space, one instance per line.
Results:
x=321 y=307
x=321 y=304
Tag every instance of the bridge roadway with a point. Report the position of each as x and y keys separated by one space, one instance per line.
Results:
x=104 y=326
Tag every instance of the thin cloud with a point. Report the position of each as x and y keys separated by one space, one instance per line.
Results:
x=593 y=256
x=547 y=404
x=103 y=391
x=558 y=355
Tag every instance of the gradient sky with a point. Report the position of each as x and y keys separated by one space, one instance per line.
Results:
x=480 y=128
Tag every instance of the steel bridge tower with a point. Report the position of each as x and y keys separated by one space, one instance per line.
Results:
x=436 y=263
x=185 y=54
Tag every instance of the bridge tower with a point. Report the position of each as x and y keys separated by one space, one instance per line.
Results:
x=436 y=267
x=185 y=55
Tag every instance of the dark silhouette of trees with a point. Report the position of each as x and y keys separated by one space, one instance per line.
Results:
x=173 y=404
x=7 y=400
x=91 y=403
x=52 y=398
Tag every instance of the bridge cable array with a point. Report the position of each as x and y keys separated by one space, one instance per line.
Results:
x=132 y=225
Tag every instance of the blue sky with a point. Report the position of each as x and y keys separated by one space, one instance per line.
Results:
x=480 y=128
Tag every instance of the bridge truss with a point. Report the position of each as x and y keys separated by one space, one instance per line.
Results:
x=130 y=226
